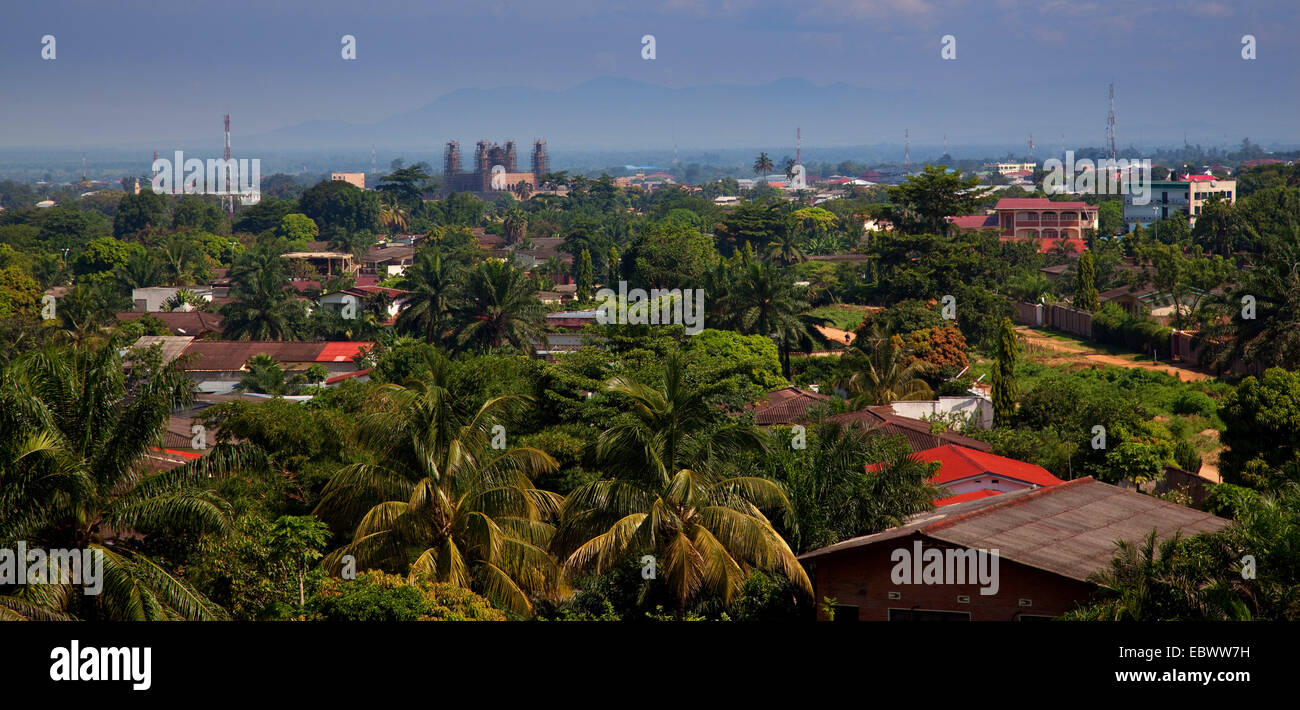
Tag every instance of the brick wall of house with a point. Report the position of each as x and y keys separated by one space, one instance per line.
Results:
x=861 y=577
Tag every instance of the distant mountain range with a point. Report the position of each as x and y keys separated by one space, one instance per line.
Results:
x=614 y=114
x=610 y=122
x=621 y=114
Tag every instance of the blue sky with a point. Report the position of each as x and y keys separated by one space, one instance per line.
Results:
x=148 y=71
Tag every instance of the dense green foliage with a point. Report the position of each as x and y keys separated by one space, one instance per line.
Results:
x=477 y=477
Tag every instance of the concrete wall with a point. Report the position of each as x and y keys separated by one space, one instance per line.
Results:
x=944 y=406
x=1069 y=320
x=1028 y=313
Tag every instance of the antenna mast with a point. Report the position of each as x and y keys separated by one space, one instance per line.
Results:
x=907 y=148
x=1110 y=122
x=228 y=199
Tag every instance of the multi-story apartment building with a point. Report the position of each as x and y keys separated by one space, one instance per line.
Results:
x=1169 y=197
x=1008 y=168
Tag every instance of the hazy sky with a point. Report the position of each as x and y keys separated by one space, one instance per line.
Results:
x=134 y=71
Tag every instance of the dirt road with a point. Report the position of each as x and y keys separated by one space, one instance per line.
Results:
x=1073 y=351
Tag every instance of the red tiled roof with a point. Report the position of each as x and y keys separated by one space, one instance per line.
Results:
x=1199 y=178
x=958 y=463
x=975 y=221
x=963 y=497
x=1039 y=203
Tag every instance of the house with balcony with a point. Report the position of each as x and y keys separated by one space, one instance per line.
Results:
x=1044 y=222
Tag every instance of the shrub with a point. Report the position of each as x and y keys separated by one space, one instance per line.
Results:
x=376 y=596
x=1186 y=457
x=1194 y=402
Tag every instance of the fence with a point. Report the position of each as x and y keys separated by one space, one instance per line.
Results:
x=1028 y=313
x=1069 y=320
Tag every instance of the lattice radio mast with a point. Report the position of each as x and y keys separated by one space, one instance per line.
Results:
x=1110 y=122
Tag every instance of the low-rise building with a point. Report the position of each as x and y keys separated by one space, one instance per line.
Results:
x=965 y=473
x=386 y=260
x=217 y=366
x=197 y=324
x=358 y=179
x=153 y=299
x=1044 y=543
x=918 y=433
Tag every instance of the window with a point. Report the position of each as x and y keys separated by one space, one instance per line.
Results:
x=846 y=612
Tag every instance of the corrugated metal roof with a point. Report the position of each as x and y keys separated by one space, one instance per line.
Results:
x=229 y=355
x=1070 y=529
x=788 y=405
x=172 y=345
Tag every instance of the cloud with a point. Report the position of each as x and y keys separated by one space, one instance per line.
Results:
x=874 y=9
x=1209 y=9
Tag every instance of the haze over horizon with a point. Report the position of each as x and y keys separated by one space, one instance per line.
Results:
x=727 y=74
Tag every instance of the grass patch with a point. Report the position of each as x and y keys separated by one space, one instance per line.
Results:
x=842 y=316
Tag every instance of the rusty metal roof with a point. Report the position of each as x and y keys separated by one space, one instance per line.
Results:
x=231 y=355
x=788 y=405
x=1070 y=529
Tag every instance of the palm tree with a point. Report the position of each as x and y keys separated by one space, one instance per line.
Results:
x=666 y=496
x=498 y=306
x=762 y=165
x=394 y=217
x=75 y=433
x=515 y=225
x=785 y=247
x=183 y=300
x=141 y=270
x=431 y=283
x=1271 y=336
x=263 y=309
x=883 y=370
x=181 y=262
x=835 y=496
x=1160 y=581
x=440 y=502
x=264 y=375
x=765 y=301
